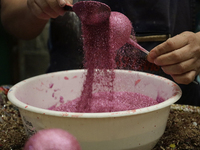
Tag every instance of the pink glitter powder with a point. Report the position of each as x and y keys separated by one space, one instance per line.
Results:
x=97 y=56
x=98 y=46
x=101 y=102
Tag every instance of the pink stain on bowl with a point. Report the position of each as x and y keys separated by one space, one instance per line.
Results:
x=56 y=90
x=66 y=78
x=136 y=82
x=51 y=85
x=65 y=114
x=39 y=89
x=74 y=77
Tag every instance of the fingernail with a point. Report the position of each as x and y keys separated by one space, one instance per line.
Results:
x=62 y=3
x=152 y=55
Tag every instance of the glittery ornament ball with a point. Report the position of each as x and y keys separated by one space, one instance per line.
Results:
x=52 y=139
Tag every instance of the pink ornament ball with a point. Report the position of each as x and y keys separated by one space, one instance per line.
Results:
x=52 y=139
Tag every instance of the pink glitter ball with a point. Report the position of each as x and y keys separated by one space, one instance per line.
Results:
x=52 y=139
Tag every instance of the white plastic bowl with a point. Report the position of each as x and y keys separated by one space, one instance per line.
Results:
x=134 y=129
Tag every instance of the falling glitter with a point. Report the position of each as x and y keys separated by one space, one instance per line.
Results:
x=98 y=56
x=101 y=42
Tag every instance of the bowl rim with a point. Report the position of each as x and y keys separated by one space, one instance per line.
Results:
x=33 y=109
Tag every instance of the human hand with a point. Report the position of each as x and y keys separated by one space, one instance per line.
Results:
x=46 y=9
x=179 y=57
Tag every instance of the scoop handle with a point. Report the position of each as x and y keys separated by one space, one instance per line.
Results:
x=136 y=45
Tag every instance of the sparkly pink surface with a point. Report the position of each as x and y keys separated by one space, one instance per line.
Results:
x=52 y=139
x=106 y=102
x=120 y=30
x=92 y=12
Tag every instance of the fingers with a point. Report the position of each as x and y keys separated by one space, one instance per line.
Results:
x=185 y=78
x=180 y=68
x=55 y=7
x=36 y=10
x=46 y=9
x=62 y=3
x=174 y=56
x=183 y=72
x=179 y=57
x=170 y=45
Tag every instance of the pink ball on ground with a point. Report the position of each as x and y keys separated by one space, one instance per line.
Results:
x=52 y=139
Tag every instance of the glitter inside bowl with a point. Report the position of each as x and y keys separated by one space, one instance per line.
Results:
x=106 y=102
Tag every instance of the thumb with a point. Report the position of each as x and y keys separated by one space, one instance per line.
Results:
x=151 y=56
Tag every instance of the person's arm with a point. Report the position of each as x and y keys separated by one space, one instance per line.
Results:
x=179 y=57
x=26 y=19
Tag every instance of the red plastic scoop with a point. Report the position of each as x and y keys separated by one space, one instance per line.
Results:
x=92 y=12
x=120 y=27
